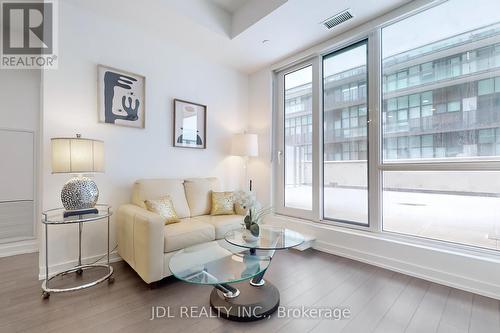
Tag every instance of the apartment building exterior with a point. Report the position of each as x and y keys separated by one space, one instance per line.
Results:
x=440 y=101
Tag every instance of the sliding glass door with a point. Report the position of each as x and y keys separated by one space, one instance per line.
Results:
x=345 y=135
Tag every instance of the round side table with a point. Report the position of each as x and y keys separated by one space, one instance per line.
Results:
x=55 y=217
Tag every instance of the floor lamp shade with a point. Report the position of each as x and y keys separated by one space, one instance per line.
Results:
x=245 y=145
x=77 y=156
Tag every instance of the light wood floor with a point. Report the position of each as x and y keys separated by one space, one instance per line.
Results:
x=379 y=300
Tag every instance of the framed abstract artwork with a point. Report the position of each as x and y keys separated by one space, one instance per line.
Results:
x=121 y=96
x=190 y=124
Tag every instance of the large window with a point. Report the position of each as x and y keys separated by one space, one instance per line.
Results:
x=398 y=130
x=455 y=206
x=446 y=118
x=345 y=168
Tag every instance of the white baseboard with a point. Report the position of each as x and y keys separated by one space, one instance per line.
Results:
x=54 y=269
x=405 y=267
x=19 y=247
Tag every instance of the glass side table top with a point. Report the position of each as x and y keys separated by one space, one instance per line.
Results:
x=212 y=264
x=270 y=238
x=55 y=216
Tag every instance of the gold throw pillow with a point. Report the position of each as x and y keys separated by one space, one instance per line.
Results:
x=163 y=207
x=222 y=203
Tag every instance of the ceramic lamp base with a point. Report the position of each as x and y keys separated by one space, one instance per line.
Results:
x=79 y=194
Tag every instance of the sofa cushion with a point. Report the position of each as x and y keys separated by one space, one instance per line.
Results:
x=186 y=233
x=147 y=189
x=163 y=207
x=198 y=194
x=222 y=223
x=222 y=203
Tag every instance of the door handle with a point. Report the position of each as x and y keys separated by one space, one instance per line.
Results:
x=280 y=153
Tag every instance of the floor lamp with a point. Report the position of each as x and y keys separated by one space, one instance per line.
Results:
x=245 y=145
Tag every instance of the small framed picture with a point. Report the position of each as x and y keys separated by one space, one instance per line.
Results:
x=121 y=97
x=190 y=124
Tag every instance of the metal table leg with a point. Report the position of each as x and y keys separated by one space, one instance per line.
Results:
x=46 y=294
x=111 y=278
x=248 y=304
x=258 y=281
x=245 y=301
x=108 y=240
x=227 y=290
x=79 y=271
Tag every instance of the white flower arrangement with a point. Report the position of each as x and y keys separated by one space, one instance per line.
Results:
x=247 y=200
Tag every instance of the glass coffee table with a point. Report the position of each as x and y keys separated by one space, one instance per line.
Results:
x=228 y=267
x=270 y=239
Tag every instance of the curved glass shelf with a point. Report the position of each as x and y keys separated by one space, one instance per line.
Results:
x=55 y=216
x=212 y=264
x=270 y=238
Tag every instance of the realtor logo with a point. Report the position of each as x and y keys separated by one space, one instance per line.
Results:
x=28 y=34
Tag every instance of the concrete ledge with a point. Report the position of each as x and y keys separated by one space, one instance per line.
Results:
x=309 y=241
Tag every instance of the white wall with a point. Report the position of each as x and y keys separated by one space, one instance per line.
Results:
x=259 y=122
x=70 y=106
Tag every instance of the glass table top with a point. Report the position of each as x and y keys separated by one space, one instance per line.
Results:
x=56 y=216
x=270 y=238
x=210 y=263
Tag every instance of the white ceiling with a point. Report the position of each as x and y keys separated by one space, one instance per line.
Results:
x=231 y=31
x=230 y=5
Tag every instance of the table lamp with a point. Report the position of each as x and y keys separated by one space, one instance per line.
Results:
x=78 y=156
x=245 y=145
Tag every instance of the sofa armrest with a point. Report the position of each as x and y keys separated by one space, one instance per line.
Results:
x=141 y=241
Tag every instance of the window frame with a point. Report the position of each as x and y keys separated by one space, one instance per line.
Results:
x=375 y=87
x=279 y=143
x=323 y=56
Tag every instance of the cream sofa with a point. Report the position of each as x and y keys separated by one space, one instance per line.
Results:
x=147 y=244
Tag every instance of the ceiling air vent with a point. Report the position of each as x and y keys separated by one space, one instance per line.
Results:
x=337 y=19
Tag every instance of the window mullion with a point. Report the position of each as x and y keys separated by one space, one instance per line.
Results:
x=374 y=132
x=317 y=143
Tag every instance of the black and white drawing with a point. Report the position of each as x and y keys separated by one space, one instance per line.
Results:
x=190 y=124
x=121 y=97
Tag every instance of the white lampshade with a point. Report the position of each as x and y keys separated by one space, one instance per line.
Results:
x=245 y=145
x=77 y=155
